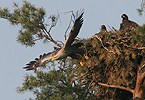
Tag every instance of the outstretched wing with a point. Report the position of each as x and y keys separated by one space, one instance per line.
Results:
x=38 y=62
x=74 y=31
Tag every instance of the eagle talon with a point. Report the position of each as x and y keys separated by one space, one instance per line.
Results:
x=86 y=57
x=81 y=63
x=53 y=59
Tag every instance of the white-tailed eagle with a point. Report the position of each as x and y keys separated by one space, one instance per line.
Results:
x=68 y=49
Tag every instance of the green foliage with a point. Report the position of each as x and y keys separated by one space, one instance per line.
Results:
x=31 y=20
x=141 y=30
x=26 y=38
x=140 y=37
x=54 y=85
x=142 y=8
x=140 y=11
x=4 y=13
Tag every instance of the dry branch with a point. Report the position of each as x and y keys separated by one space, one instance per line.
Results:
x=117 y=87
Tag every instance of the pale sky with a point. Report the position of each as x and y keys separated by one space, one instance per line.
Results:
x=14 y=56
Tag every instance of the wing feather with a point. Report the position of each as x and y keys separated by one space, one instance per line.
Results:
x=74 y=31
x=38 y=62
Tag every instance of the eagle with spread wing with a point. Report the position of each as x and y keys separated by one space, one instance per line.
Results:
x=68 y=49
x=127 y=24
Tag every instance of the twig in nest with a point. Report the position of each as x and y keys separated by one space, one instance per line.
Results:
x=103 y=44
x=140 y=48
x=143 y=66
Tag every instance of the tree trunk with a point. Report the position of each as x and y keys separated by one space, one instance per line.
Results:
x=138 y=93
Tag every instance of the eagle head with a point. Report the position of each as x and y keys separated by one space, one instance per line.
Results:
x=124 y=16
x=103 y=27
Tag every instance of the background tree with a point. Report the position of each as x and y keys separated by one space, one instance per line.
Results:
x=142 y=8
x=113 y=63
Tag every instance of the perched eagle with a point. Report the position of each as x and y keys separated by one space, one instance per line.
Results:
x=127 y=24
x=68 y=49
x=103 y=28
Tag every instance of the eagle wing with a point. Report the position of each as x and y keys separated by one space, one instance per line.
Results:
x=32 y=65
x=74 y=31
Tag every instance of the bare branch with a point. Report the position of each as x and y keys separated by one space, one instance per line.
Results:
x=140 y=48
x=68 y=28
x=117 y=87
x=49 y=37
x=58 y=15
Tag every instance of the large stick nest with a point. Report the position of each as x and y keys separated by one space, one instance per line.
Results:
x=113 y=58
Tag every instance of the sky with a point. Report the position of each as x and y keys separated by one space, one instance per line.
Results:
x=14 y=56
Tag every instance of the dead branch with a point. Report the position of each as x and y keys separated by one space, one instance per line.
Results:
x=140 y=48
x=68 y=28
x=117 y=87
x=49 y=37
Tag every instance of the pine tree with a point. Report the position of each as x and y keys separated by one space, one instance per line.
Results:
x=113 y=64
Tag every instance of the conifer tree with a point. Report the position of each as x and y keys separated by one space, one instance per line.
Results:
x=113 y=62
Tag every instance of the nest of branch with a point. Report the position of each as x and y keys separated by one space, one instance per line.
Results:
x=113 y=59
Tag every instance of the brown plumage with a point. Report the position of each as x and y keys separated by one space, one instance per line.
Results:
x=103 y=29
x=127 y=24
x=68 y=49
